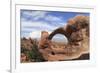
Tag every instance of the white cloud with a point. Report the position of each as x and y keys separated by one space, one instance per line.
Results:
x=35 y=27
x=42 y=14
x=35 y=14
x=53 y=18
x=36 y=34
x=41 y=25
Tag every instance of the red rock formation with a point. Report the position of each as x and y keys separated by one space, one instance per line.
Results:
x=76 y=31
x=26 y=44
x=44 y=42
x=23 y=57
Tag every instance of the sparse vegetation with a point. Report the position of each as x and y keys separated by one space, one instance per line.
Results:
x=33 y=55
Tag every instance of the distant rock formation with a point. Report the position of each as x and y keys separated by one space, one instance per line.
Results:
x=27 y=43
x=44 y=42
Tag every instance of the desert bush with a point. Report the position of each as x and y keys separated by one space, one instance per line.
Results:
x=33 y=55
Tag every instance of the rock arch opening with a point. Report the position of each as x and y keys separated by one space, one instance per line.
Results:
x=60 y=31
x=60 y=38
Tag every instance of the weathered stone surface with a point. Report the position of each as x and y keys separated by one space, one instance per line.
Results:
x=44 y=42
x=27 y=43
x=78 y=41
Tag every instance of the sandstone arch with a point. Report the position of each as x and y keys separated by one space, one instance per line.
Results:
x=58 y=31
x=77 y=33
x=73 y=25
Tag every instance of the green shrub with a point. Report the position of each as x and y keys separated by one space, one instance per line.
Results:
x=33 y=55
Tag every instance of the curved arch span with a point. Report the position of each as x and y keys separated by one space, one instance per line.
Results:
x=58 y=31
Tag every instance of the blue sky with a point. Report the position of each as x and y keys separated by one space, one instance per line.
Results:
x=33 y=22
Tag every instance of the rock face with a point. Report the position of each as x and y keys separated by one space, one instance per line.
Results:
x=77 y=33
x=27 y=43
x=44 y=42
x=29 y=51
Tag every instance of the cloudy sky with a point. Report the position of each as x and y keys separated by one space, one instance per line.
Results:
x=33 y=22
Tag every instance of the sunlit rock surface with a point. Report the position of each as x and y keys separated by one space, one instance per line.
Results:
x=78 y=41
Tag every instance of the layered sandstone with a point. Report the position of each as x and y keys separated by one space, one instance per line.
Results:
x=77 y=33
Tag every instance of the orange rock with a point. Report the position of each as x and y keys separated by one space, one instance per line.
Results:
x=23 y=57
x=44 y=42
